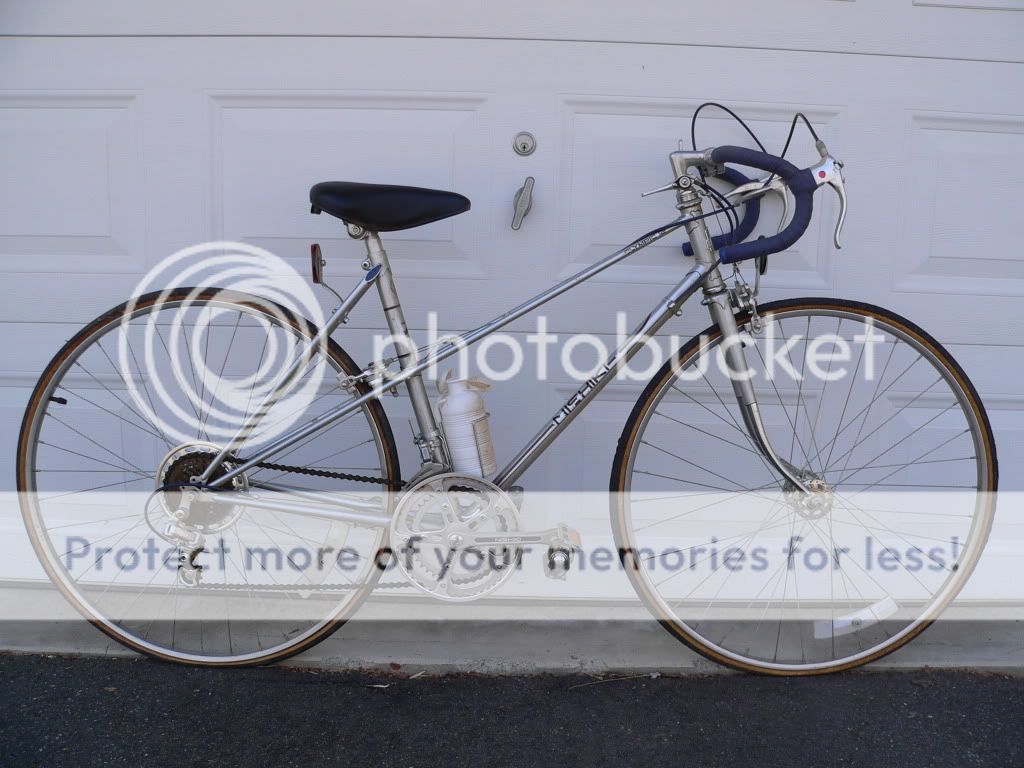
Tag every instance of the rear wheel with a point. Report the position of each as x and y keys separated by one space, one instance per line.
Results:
x=902 y=461
x=142 y=399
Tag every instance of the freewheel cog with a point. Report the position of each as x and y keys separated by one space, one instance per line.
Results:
x=178 y=468
x=433 y=532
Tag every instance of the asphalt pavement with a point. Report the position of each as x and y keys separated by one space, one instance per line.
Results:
x=76 y=711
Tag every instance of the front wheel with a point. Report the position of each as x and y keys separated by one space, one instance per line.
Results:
x=883 y=426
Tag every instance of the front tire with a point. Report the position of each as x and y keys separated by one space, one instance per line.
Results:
x=685 y=471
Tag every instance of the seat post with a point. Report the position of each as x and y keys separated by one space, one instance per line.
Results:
x=429 y=438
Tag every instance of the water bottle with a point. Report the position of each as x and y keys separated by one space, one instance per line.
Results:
x=466 y=429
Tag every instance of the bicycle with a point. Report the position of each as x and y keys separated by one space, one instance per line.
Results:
x=201 y=489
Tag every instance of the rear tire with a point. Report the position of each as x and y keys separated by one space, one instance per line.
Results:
x=93 y=425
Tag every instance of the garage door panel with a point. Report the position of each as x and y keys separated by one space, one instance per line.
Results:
x=268 y=150
x=73 y=183
x=957 y=242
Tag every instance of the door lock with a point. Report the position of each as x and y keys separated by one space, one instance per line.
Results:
x=524 y=143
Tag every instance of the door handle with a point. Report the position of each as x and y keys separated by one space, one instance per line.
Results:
x=522 y=203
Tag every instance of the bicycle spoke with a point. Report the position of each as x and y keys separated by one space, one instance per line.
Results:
x=823 y=605
x=706 y=432
x=785 y=410
x=846 y=403
x=698 y=509
x=93 y=458
x=903 y=440
x=857 y=415
x=871 y=403
x=220 y=373
x=113 y=443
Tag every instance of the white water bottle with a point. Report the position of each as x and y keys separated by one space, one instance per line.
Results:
x=466 y=429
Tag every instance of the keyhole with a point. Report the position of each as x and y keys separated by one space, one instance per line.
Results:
x=524 y=143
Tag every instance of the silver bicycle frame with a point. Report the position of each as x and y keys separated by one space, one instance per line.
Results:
x=411 y=370
x=705 y=273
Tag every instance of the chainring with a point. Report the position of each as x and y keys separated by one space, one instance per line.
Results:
x=432 y=523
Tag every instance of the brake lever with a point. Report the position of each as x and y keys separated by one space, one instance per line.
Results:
x=830 y=171
x=760 y=187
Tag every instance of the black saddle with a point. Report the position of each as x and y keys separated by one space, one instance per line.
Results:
x=384 y=207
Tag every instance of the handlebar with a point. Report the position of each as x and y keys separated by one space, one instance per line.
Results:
x=751 y=213
x=802 y=183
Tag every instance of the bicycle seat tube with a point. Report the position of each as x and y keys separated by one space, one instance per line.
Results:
x=718 y=303
x=429 y=439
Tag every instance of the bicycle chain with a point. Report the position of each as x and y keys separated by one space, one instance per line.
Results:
x=395 y=485
x=285 y=588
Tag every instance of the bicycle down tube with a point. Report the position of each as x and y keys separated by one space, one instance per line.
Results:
x=361 y=512
x=443 y=353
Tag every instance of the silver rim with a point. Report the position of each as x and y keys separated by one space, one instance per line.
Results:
x=704 y=414
x=225 y=636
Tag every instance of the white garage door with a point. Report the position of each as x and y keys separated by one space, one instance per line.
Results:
x=128 y=133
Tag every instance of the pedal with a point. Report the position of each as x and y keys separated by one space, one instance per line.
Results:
x=557 y=563
x=563 y=542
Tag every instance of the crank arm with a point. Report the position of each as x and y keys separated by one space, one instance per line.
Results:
x=562 y=536
x=559 y=537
